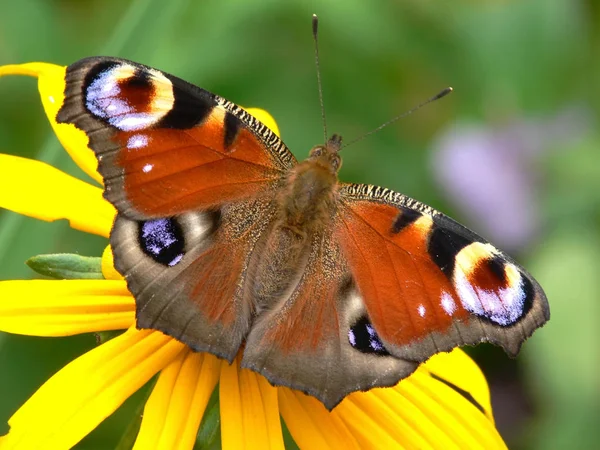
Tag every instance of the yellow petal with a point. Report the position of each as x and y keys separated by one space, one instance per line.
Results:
x=457 y=368
x=249 y=410
x=456 y=416
x=174 y=410
x=51 y=84
x=371 y=426
x=266 y=118
x=86 y=391
x=64 y=307
x=311 y=425
x=108 y=265
x=387 y=415
x=422 y=412
x=39 y=190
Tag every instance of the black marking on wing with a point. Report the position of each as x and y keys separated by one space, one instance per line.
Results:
x=497 y=265
x=529 y=291
x=363 y=337
x=444 y=244
x=191 y=106
x=232 y=128
x=140 y=80
x=406 y=217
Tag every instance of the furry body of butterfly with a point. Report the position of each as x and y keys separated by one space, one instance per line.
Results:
x=305 y=206
x=232 y=247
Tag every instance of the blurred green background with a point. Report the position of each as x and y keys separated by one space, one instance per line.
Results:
x=525 y=110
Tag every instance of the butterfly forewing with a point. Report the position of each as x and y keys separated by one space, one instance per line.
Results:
x=428 y=283
x=165 y=146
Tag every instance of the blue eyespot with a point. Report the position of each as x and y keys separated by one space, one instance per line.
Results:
x=162 y=240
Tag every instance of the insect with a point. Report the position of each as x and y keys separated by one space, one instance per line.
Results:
x=229 y=245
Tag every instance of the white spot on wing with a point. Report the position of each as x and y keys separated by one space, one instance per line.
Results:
x=147 y=168
x=448 y=304
x=351 y=337
x=134 y=121
x=176 y=260
x=421 y=310
x=137 y=141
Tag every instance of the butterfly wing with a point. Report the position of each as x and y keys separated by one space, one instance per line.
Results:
x=314 y=337
x=430 y=284
x=165 y=146
x=193 y=178
x=188 y=272
x=388 y=284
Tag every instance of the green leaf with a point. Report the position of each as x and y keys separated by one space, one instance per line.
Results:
x=67 y=266
x=288 y=440
x=209 y=433
x=133 y=427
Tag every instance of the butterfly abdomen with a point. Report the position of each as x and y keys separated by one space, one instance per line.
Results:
x=307 y=202
x=278 y=263
x=304 y=207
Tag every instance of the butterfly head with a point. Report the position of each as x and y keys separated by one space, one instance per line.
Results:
x=327 y=155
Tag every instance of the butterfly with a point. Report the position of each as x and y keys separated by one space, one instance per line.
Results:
x=229 y=245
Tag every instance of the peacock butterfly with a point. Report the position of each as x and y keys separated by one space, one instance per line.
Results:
x=229 y=245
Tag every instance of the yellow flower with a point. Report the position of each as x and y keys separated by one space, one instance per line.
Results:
x=444 y=404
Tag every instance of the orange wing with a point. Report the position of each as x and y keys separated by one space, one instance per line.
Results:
x=193 y=178
x=165 y=146
x=428 y=283
x=314 y=337
x=388 y=284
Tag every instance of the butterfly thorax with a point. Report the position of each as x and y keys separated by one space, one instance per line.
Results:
x=306 y=206
x=309 y=198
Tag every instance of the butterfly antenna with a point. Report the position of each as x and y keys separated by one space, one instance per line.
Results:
x=315 y=31
x=410 y=111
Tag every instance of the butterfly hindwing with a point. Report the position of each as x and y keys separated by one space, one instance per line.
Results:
x=428 y=283
x=317 y=337
x=187 y=272
x=165 y=146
